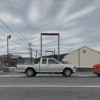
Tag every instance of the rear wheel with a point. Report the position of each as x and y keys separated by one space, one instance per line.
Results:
x=30 y=72
x=67 y=72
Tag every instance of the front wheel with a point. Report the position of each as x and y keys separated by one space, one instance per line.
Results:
x=30 y=73
x=67 y=72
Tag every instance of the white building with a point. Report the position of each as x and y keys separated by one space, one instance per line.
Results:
x=83 y=58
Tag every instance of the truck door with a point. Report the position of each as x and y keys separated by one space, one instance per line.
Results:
x=43 y=65
x=53 y=66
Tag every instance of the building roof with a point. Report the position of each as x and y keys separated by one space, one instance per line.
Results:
x=84 y=47
x=12 y=56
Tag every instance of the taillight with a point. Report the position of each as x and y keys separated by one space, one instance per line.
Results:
x=96 y=66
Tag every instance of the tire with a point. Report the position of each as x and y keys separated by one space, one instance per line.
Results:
x=30 y=72
x=67 y=72
x=98 y=75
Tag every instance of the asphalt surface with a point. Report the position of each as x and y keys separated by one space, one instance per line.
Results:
x=81 y=86
x=77 y=79
x=50 y=81
x=49 y=93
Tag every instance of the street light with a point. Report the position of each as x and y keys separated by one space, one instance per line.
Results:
x=8 y=37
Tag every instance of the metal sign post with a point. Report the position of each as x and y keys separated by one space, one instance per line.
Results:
x=51 y=34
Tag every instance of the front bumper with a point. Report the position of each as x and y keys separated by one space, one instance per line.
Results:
x=74 y=70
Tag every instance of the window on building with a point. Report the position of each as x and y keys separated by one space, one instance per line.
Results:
x=84 y=51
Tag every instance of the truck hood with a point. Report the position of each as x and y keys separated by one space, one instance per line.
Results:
x=67 y=65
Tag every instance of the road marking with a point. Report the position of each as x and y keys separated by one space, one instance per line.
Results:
x=83 y=75
x=12 y=76
x=1 y=76
x=50 y=86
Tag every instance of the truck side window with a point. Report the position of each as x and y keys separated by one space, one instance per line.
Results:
x=44 y=61
x=51 y=61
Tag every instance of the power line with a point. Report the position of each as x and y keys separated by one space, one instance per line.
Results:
x=12 y=25
x=12 y=31
x=12 y=40
x=8 y=29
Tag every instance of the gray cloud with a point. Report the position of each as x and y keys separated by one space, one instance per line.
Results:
x=77 y=21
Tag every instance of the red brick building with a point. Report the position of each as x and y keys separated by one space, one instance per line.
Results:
x=2 y=60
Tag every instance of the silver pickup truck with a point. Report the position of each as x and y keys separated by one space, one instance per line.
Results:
x=46 y=65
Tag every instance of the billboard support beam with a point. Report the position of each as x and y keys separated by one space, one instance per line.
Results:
x=51 y=34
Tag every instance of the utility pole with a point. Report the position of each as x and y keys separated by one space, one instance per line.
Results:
x=36 y=54
x=58 y=47
x=79 y=58
x=41 y=44
x=30 y=51
x=8 y=37
x=54 y=53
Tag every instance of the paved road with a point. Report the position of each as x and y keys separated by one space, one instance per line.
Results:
x=79 y=79
x=50 y=81
x=49 y=93
x=81 y=86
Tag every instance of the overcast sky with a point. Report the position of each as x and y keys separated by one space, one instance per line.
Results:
x=77 y=21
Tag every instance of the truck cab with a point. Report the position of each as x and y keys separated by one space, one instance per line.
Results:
x=49 y=65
